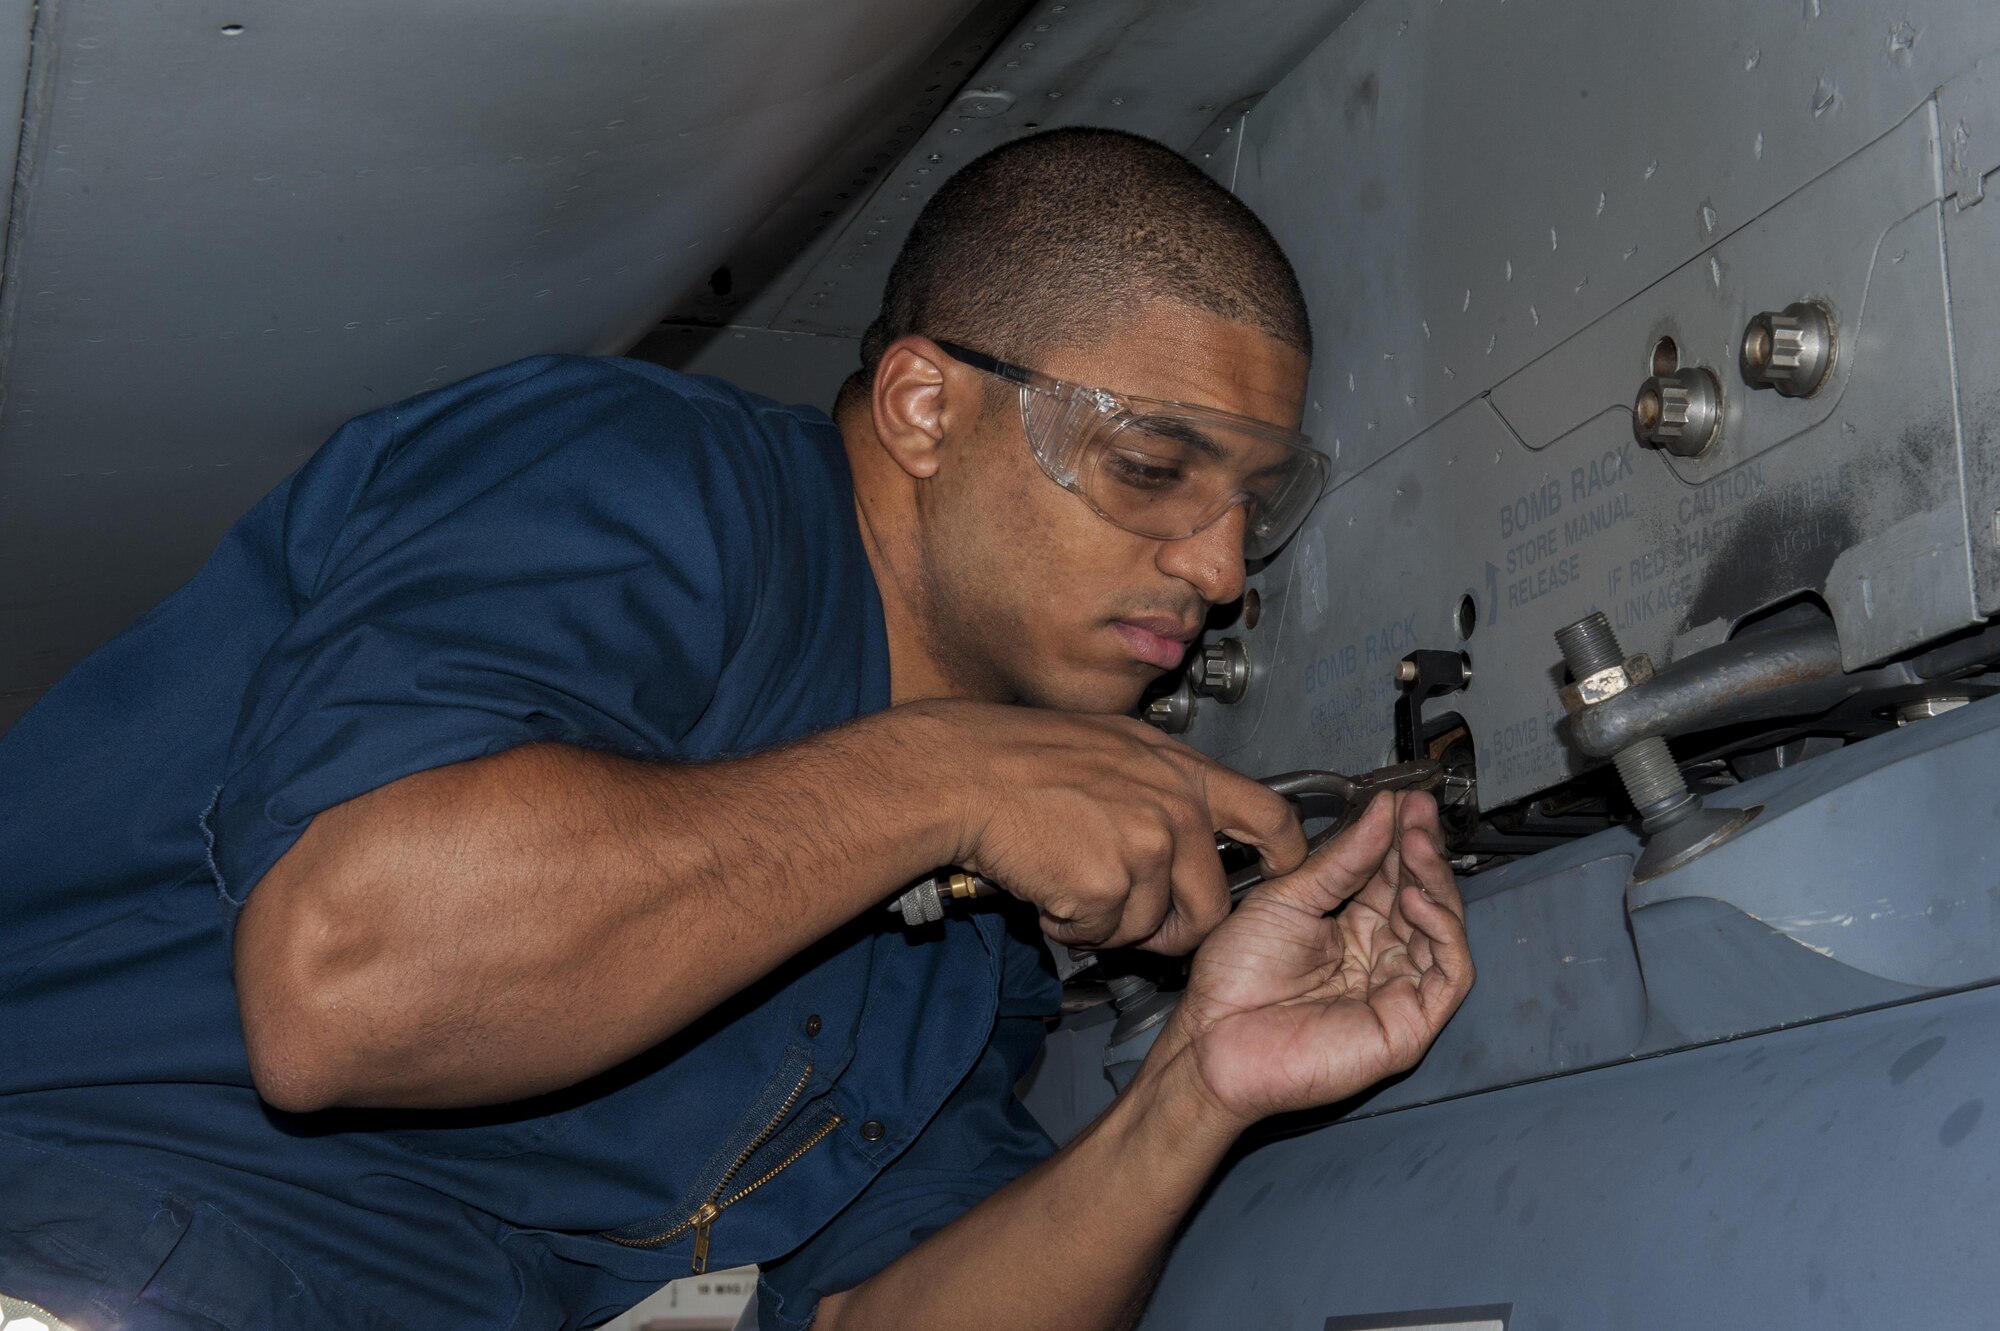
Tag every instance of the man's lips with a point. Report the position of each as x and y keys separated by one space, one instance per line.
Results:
x=1158 y=642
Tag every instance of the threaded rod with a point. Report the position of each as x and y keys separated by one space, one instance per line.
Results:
x=1649 y=773
x=1651 y=777
x=1589 y=645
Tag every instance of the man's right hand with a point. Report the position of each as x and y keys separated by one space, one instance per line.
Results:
x=1105 y=824
x=414 y=935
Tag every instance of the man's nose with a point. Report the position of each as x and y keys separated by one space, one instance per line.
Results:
x=1211 y=560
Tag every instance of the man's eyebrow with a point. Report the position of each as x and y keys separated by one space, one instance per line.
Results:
x=1166 y=427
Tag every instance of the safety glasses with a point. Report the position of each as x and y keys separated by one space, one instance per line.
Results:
x=1163 y=469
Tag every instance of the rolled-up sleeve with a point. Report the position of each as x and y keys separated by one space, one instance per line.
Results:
x=543 y=561
x=982 y=1139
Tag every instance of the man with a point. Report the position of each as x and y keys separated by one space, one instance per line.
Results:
x=460 y=905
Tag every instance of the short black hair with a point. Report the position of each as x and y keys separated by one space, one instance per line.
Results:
x=1025 y=247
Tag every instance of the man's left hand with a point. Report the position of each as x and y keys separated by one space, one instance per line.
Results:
x=1327 y=980
x=1323 y=982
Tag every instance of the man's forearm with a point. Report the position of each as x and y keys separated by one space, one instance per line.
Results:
x=1323 y=982
x=1074 y=1244
x=508 y=926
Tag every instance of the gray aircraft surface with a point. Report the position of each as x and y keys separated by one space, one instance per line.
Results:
x=1681 y=313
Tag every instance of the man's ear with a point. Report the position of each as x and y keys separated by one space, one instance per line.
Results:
x=910 y=404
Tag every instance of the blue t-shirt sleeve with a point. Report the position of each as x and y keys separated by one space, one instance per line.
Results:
x=546 y=553
x=982 y=1139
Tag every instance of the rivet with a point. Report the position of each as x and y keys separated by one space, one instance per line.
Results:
x=872 y=1131
x=813 y=1024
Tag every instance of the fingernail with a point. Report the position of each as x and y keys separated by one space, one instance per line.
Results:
x=1427 y=895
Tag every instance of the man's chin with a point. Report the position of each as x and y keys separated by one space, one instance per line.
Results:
x=1098 y=693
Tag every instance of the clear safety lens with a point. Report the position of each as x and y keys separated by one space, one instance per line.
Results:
x=1164 y=469
x=1059 y=420
x=1169 y=474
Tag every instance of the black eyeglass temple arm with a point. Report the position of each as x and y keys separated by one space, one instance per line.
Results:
x=979 y=360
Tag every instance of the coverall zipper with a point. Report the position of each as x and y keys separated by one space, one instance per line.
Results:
x=702 y=1222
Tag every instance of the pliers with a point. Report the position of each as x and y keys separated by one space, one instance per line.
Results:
x=1343 y=799
x=1315 y=794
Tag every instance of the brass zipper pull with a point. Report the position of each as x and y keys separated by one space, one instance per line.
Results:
x=704 y=1219
x=704 y=1224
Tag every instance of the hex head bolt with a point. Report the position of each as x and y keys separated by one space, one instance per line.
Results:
x=1680 y=413
x=1221 y=671
x=1672 y=820
x=1791 y=350
x=1172 y=712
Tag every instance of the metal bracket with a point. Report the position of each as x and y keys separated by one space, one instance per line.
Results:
x=1424 y=675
